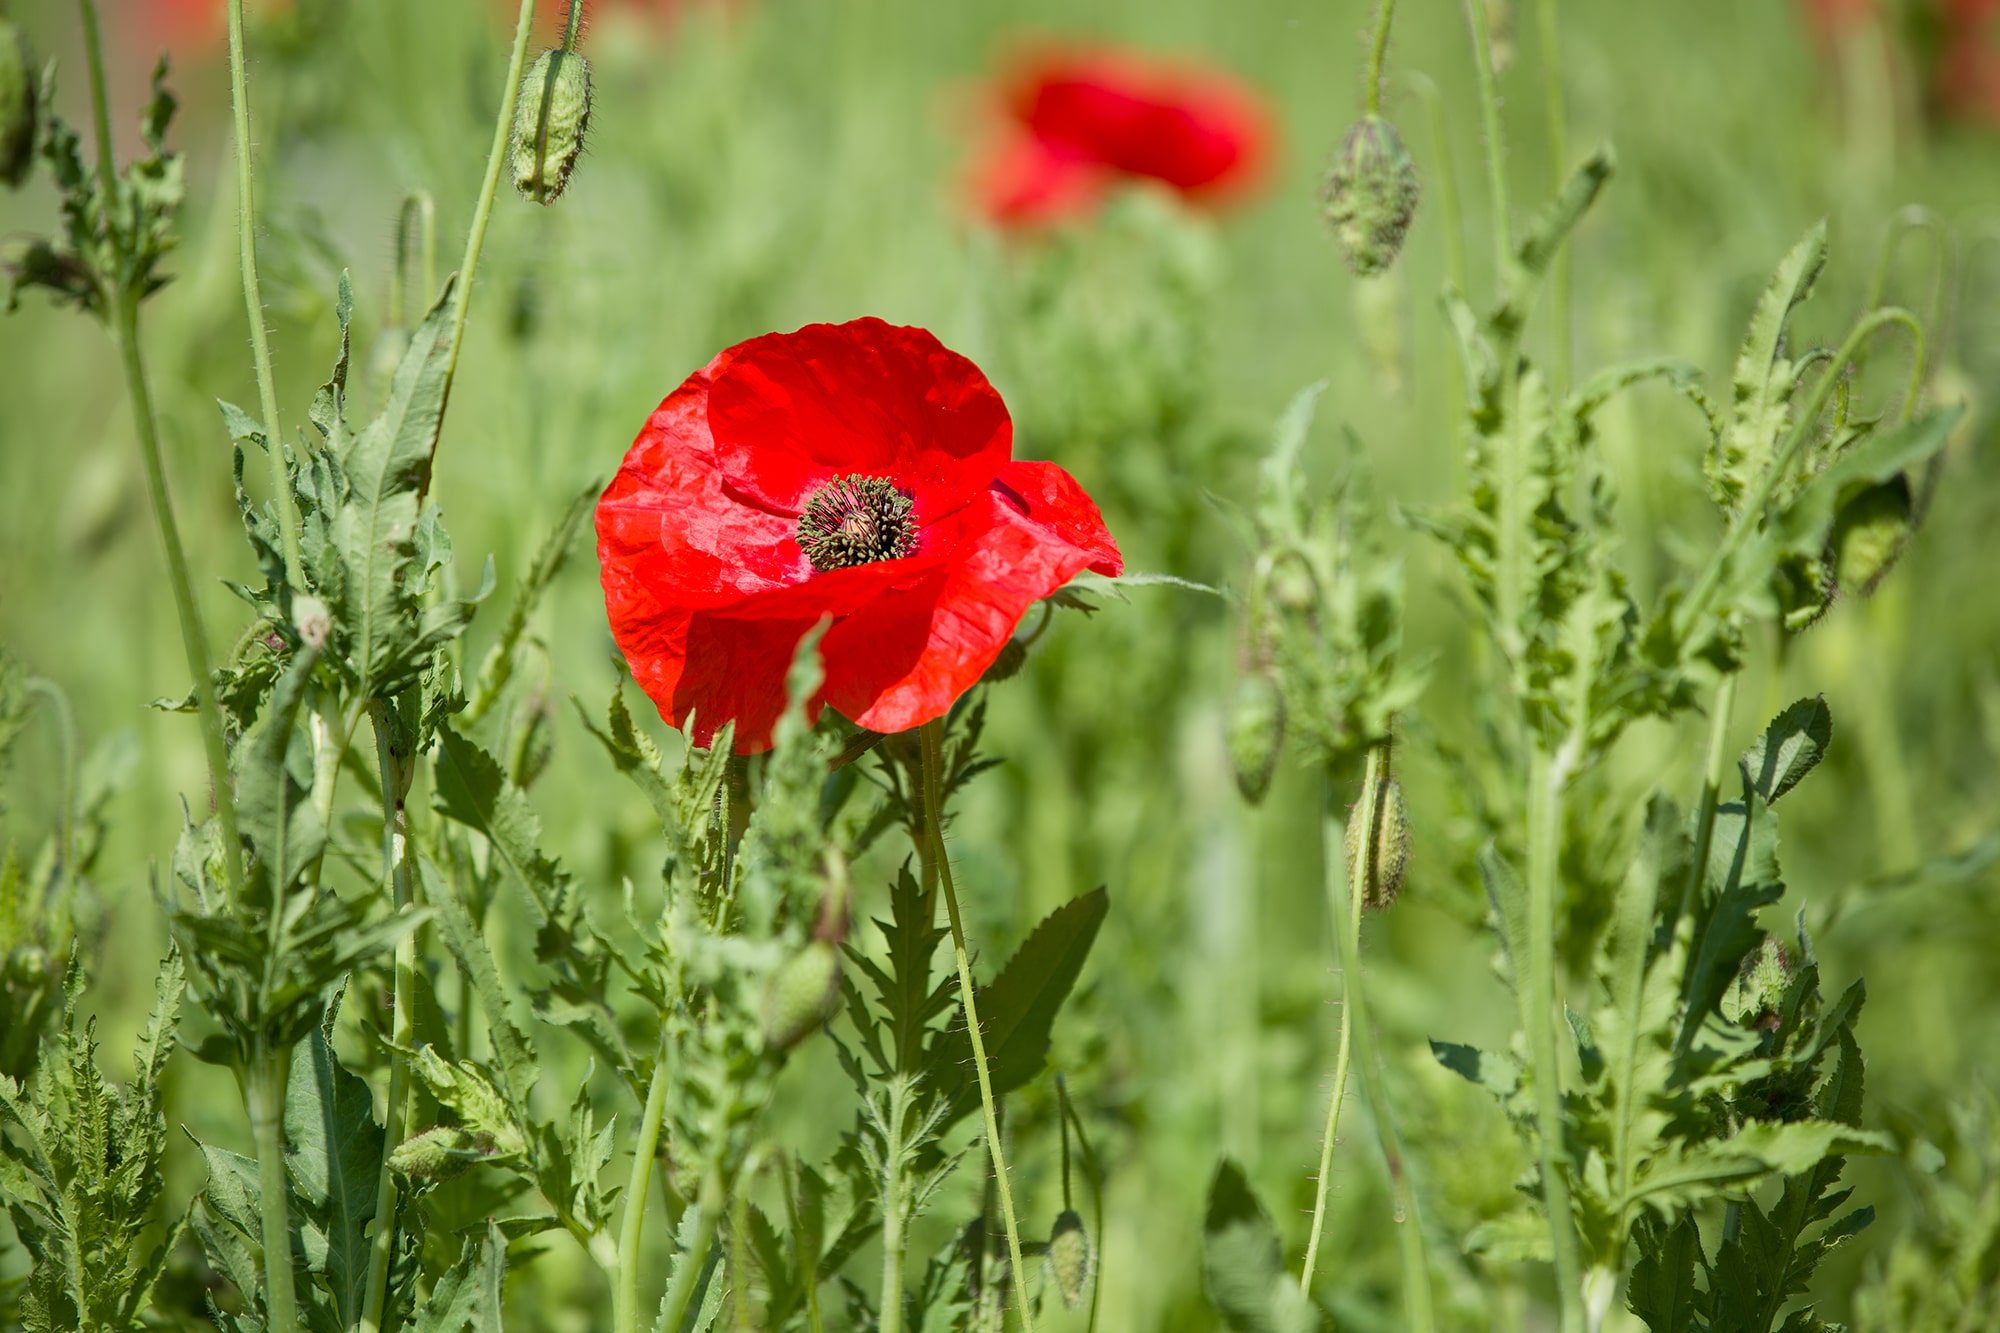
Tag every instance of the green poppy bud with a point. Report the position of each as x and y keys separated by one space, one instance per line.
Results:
x=1371 y=195
x=20 y=102
x=439 y=1153
x=29 y=966
x=1256 y=733
x=802 y=995
x=1392 y=845
x=1761 y=983
x=1870 y=532
x=1070 y=1259
x=549 y=124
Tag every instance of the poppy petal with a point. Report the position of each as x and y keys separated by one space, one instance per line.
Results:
x=788 y=412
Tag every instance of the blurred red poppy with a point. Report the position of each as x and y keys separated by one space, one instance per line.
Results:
x=1833 y=19
x=1968 y=77
x=1075 y=121
x=855 y=471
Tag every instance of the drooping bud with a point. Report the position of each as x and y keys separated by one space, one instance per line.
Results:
x=1371 y=195
x=1870 y=533
x=1013 y=656
x=803 y=994
x=549 y=124
x=1291 y=585
x=1391 y=851
x=20 y=104
x=439 y=1153
x=1070 y=1259
x=1804 y=587
x=1256 y=733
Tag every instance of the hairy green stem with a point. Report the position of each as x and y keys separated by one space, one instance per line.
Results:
x=1496 y=144
x=894 y=1218
x=264 y=1095
x=475 y=240
x=396 y=876
x=253 y=301
x=1349 y=886
x=931 y=739
x=1443 y=180
x=1378 y=48
x=1323 y=1185
x=1547 y=776
x=625 y=1299
x=124 y=318
x=1550 y=32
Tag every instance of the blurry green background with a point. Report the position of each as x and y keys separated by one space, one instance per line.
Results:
x=766 y=163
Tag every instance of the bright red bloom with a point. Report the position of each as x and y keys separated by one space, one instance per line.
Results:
x=864 y=440
x=1078 y=120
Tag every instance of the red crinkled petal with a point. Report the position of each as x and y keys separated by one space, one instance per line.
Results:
x=789 y=411
x=1053 y=499
x=1024 y=181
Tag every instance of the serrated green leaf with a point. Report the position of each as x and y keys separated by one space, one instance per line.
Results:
x=1789 y=749
x=1762 y=383
x=473 y=789
x=1662 y=1289
x=336 y=1162
x=519 y=1069
x=1498 y=1074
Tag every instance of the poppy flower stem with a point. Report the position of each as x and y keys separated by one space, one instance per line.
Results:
x=1349 y=885
x=1378 y=50
x=253 y=302
x=475 y=239
x=1549 y=27
x=931 y=739
x=396 y=874
x=122 y=308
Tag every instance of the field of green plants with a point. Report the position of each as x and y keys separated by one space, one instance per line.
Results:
x=1464 y=780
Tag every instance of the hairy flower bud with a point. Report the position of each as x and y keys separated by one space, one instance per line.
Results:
x=802 y=995
x=439 y=1153
x=1392 y=845
x=1371 y=195
x=1256 y=733
x=1870 y=532
x=20 y=103
x=1070 y=1259
x=1804 y=587
x=549 y=124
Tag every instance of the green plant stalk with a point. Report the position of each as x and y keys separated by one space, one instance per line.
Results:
x=1546 y=778
x=125 y=331
x=1348 y=887
x=396 y=871
x=1324 y=1184
x=708 y=1206
x=625 y=1299
x=894 y=1217
x=1711 y=789
x=1747 y=518
x=65 y=720
x=418 y=207
x=1378 y=48
x=475 y=239
x=931 y=738
x=1444 y=181
x=264 y=1095
x=253 y=301
x=1496 y=145
x=1094 y=1170
x=1550 y=32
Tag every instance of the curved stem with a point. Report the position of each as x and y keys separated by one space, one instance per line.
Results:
x=396 y=874
x=1550 y=31
x=253 y=301
x=930 y=737
x=1325 y=1181
x=1752 y=512
x=1496 y=145
x=264 y=1093
x=1349 y=886
x=625 y=1302
x=1913 y=218
x=1546 y=779
x=475 y=240
x=124 y=319
x=1377 y=49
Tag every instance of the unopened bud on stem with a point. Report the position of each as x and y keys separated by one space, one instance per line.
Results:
x=1069 y=1259
x=1382 y=878
x=549 y=124
x=1256 y=733
x=1371 y=195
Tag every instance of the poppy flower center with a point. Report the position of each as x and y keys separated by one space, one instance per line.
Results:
x=854 y=520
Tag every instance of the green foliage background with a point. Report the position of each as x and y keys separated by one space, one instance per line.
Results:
x=760 y=165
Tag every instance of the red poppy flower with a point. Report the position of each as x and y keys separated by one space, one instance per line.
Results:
x=1078 y=120
x=1831 y=20
x=1969 y=71
x=855 y=471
